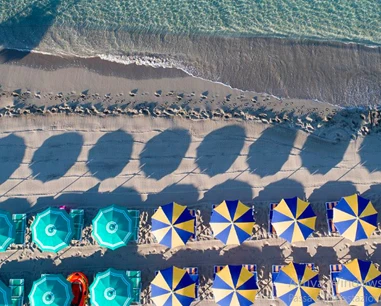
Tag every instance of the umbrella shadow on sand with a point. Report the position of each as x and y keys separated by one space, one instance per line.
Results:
x=314 y=154
x=219 y=149
x=184 y=194
x=369 y=152
x=270 y=151
x=285 y=188
x=110 y=154
x=56 y=156
x=228 y=190
x=333 y=191
x=163 y=153
x=12 y=151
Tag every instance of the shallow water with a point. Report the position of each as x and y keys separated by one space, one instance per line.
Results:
x=220 y=40
x=340 y=20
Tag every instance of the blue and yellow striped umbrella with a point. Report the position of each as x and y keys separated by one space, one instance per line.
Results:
x=173 y=287
x=297 y=285
x=232 y=222
x=355 y=217
x=293 y=219
x=234 y=286
x=173 y=225
x=359 y=283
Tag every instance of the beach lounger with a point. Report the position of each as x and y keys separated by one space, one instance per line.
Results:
x=193 y=272
x=17 y=291
x=78 y=216
x=334 y=272
x=271 y=229
x=275 y=271
x=20 y=225
x=135 y=214
x=329 y=211
x=136 y=279
x=217 y=269
x=193 y=213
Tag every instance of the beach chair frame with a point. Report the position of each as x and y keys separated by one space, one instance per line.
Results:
x=19 y=221
x=271 y=229
x=136 y=279
x=329 y=216
x=135 y=214
x=17 y=291
x=78 y=216
x=334 y=271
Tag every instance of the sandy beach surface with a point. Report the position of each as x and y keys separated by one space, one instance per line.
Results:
x=142 y=162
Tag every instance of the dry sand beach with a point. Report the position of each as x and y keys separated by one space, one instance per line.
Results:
x=142 y=162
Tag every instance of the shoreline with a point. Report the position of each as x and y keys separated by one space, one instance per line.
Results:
x=341 y=74
x=47 y=85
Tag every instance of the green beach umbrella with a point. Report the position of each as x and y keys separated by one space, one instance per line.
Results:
x=112 y=227
x=7 y=230
x=51 y=290
x=5 y=295
x=112 y=288
x=52 y=230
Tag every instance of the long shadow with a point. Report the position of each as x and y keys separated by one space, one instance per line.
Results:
x=333 y=191
x=320 y=156
x=374 y=194
x=122 y=196
x=15 y=205
x=185 y=194
x=285 y=188
x=56 y=156
x=370 y=153
x=220 y=149
x=110 y=154
x=228 y=190
x=163 y=153
x=270 y=151
x=12 y=151
x=28 y=27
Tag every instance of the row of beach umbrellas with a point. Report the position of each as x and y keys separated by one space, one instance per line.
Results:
x=232 y=222
x=293 y=219
x=359 y=283
x=111 y=287
x=53 y=229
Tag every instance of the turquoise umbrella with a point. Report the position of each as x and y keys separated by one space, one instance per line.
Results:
x=52 y=230
x=111 y=288
x=112 y=227
x=7 y=230
x=5 y=295
x=51 y=290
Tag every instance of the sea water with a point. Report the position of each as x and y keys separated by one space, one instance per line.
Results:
x=194 y=35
